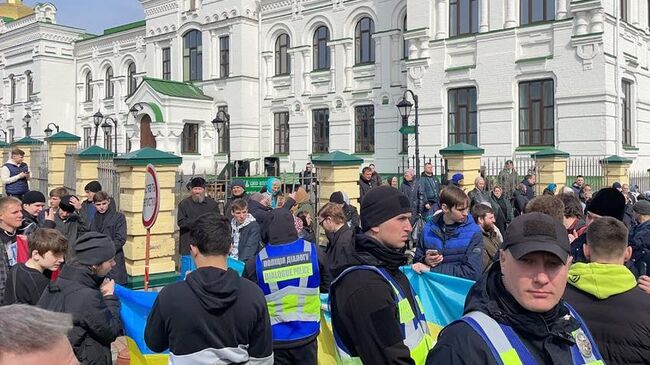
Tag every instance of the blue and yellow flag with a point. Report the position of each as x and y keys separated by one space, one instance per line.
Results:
x=442 y=296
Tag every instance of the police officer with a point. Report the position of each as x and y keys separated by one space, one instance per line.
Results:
x=291 y=273
x=515 y=313
x=376 y=316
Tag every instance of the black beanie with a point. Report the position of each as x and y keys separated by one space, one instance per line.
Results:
x=337 y=197
x=381 y=204
x=65 y=204
x=93 y=186
x=608 y=202
x=33 y=196
x=197 y=182
x=94 y=248
x=279 y=227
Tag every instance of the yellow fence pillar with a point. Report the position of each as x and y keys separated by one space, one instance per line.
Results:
x=551 y=169
x=131 y=169
x=57 y=145
x=338 y=171
x=87 y=161
x=465 y=159
x=616 y=169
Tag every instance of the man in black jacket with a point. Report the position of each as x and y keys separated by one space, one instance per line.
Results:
x=213 y=315
x=371 y=299
x=83 y=290
x=113 y=224
x=340 y=235
x=237 y=191
x=606 y=295
x=33 y=204
x=515 y=310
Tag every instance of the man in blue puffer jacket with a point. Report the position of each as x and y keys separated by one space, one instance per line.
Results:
x=451 y=243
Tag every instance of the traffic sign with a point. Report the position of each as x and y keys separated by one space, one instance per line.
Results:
x=407 y=129
x=151 y=201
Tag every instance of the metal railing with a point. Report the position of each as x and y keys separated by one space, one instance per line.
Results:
x=39 y=168
x=640 y=180
x=590 y=167
x=70 y=170
x=409 y=162
x=109 y=179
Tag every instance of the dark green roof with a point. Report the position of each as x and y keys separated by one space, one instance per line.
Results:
x=176 y=89
x=63 y=136
x=462 y=149
x=614 y=159
x=26 y=141
x=7 y=19
x=124 y=27
x=549 y=152
x=94 y=153
x=148 y=155
x=4 y=144
x=337 y=158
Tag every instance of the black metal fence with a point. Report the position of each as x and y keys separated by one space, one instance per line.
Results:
x=640 y=180
x=438 y=163
x=592 y=168
x=70 y=175
x=39 y=168
x=108 y=177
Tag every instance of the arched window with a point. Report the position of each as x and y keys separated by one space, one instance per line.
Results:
x=282 y=61
x=321 y=53
x=130 y=78
x=405 y=45
x=192 y=56
x=363 y=43
x=30 y=84
x=89 y=87
x=12 y=84
x=108 y=80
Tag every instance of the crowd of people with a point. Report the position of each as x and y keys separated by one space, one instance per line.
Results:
x=520 y=249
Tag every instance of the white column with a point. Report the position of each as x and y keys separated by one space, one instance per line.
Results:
x=214 y=56
x=511 y=14
x=306 y=75
x=395 y=56
x=178 y=55
x=561 y=11
x=332 y=50
x=349 y=61
x=441 y=23
x=483 y=23
x=268 y=58
x=292 y=89
x=634 y=12
x=377 y=60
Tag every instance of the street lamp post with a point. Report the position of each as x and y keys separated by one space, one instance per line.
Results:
x=97 y=120
x=404 y=107
x=136 y=109
x=28 y=130
x=107 y=128
x=221 y=123
x=48 y=131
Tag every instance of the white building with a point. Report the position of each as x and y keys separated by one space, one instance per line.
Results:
x=303 y=77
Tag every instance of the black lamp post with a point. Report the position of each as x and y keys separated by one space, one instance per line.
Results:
x=221 y=123
x=404 y=107
x=107 y=128
x=48 y=131
x=136 y=109
x=97 y=120
x=28 y=130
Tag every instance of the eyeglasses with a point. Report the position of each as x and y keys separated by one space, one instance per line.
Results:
x=320 y=221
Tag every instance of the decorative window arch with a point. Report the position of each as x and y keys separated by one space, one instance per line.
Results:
x=89 y=86
x=282 y=60
x=321 y=52
x=108 y=81
x=363 y=43
x=131 y=82
x=192 y=56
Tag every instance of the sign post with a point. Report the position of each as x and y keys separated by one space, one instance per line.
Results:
x=150 y=208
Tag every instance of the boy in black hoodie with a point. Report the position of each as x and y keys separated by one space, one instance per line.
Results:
x=375 y=315
x=213 y=314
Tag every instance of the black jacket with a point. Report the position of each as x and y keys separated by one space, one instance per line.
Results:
x=364 y=187
x=262 y=213
x=352 y=216
x=364 y=313
x=188 y=211
x=226 y=312
x=113 y=224
x=519 y=202
x=412 y=191
x=24 y=285
x=249 y=241
x=530 y=189
x=639 y=239
x=547 y=335
x=96 y=318
x=341 y=244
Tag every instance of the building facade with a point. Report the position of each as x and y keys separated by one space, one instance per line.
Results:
x=299 y=78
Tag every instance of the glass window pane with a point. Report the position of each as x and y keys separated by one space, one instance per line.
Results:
x=523 y=119
x=537 y=111
x=523 y=95
x=548 y=93
x=453 y=26
x=548 y=118
x=536 y=90
x=462 y=122
x=548 y=137
x=452 y=100
x=462 y=97
x=538 y=10
x=523 y=138
x=473 y=17
x=472 y=123
x=464 y=16
x=472 y=99
x=452 y=123
x=550 y=9
x=523 y=6
x=537 y=137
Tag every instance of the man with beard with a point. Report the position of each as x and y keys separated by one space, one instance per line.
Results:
x=83 y=290
x=189 y=209
x=484 y=217
x=113 y=224
x=515 y=313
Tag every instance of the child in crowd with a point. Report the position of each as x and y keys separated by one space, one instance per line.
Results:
x=245 y=232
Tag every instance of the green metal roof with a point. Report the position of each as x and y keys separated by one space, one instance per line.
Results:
x=7 y=19
x=176 y=89
x=337 y=158
x=124 y=27
x=26 y=141
x=156 y=112
x=549 y=152
x=462 y=149
x=94 y=153
x=4 y=144
x=63 y=136
x=614 y=159
x=148 y=155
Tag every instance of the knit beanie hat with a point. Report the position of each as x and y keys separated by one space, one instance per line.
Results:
x=337 y=197
x=93 y=187
x=33 y=196
x=238 y=182
x=197 y=182
x=457 y=178
x=94 y=248
x=608 y=202
x=65 y=204
x=381 y=204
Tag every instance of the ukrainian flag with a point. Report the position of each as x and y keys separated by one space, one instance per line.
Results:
x=442 y=296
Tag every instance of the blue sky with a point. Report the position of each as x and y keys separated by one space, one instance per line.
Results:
x=95 y=15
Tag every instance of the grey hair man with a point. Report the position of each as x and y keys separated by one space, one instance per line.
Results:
x=39 y=337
